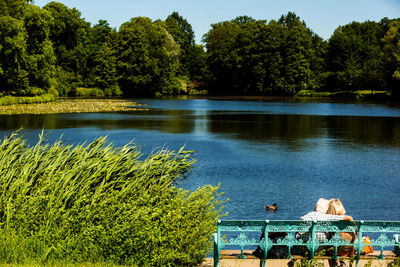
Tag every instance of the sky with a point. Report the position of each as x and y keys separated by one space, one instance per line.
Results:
x=322 y=16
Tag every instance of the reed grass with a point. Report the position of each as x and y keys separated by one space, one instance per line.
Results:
x=361 y=94
x=95 y=203
x=13 y=100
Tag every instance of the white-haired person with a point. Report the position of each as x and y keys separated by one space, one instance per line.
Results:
x=320 y=213
x=325 y=210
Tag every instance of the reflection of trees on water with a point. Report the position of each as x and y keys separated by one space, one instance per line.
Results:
x=289 y=129
x=170 y=121
x=294 y=129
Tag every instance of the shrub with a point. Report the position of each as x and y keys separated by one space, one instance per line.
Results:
x=89 y=92
x=53 y=91
x=12 y=100
x=98 y=203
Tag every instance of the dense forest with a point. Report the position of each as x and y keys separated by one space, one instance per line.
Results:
x=54 y=50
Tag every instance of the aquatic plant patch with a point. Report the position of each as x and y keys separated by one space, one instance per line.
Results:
x=71 y=106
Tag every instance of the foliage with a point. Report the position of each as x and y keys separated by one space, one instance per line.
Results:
x=13 y=55
x=12 y=100
x=191 y=57
x=41 y=57
x=355 y=57
x=391 y=52
x=86 y=92
x=360 y=94
x=147 y=57
x=54 y=48
x=248 y=56
x=98 y=203
x=13 y=8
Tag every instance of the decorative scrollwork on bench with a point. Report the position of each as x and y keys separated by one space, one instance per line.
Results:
x=242 y=239
x=383 y=241
x=268 y=242
x=289 y=241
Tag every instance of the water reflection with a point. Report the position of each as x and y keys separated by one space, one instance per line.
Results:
x=247 y=126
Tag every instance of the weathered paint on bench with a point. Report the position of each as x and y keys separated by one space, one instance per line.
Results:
x=241 y=230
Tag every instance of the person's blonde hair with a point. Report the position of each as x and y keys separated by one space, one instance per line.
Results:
x=336 y=207
x=322 y=205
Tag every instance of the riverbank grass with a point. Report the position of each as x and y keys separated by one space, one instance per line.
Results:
x=96 y=203
x=15 y=100
x=361 y=94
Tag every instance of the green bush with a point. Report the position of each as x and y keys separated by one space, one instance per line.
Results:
x=89 y=92
x=98 y=203
x=12 y=100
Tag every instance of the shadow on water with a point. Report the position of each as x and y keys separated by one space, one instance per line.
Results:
x=247 y=126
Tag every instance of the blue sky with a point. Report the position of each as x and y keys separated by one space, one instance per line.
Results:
x=322 y=16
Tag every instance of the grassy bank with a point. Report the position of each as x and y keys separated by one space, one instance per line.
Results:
x=95 y=203
x=361 y=94
x=70 y=106
x=14 y=100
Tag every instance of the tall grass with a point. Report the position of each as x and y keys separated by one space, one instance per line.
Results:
x=361 y=94
x=12 y=100
x=98 y=203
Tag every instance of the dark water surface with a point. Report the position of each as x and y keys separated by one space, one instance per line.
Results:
x=279 y=151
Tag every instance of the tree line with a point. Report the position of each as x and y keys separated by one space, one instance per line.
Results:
x=54 y=50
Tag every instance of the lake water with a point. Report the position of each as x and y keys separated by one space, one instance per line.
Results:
x=277 y=151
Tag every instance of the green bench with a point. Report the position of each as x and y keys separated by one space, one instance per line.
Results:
x=245 y=234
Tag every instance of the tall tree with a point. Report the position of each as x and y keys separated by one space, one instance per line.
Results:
x=147 y=58
x=41 y=57
x=70 y=37
x=355 y=57
x=105 y=75
x=391 y=52
x=182 y=32
x=248 y=56
x=13 y=8
x=13 y=56
x=96 y=42
x=220 y=41
x=297 y=53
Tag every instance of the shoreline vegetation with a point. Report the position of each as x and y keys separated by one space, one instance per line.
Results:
x=97 y=203
x=49 y=104
x=53 y=49
x=70 y=105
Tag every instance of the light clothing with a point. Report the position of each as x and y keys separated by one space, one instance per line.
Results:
x=318 y=216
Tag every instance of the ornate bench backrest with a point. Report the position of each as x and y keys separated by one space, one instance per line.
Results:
x=246 y=233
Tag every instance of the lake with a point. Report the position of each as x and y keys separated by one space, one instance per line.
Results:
x=283 y=151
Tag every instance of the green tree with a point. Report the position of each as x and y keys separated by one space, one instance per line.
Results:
x=248 y=56
x=13 y=56
x=391 y=52
x=355 y=57
x=13 y=8
x=105 y=75
x=182 y=32
x=41 y=57
x=147 y=58
x=270 y=43
x=220 y=41
x=191 y=56
x=297 y=53
x=97 y=57
x=70 y=37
